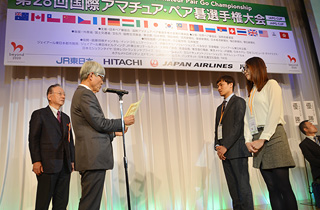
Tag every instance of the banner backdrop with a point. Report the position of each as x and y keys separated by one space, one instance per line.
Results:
x=161 y=34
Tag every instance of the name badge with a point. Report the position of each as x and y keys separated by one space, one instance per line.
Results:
x=253 y=125
x=219 y=132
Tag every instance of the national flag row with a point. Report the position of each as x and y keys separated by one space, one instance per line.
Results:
x=127 y=22
x=231 y=30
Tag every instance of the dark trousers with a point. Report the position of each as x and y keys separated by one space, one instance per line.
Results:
x=55 y=186
x=92 y=186
x=237 y=176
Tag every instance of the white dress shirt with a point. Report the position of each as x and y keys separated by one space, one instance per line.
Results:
x=54 y=111
x=267 y=108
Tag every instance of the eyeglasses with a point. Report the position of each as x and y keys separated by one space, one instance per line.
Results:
x=59 y=93
x=244 y=69
x=100 y=75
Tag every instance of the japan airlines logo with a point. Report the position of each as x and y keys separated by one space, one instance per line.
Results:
x=154 y=63
x=15 y=46
x=292 y=59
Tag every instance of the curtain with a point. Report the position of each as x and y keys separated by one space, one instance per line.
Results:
x=171 y=160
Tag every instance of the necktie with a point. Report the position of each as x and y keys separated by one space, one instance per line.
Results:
x=58 y=116
x=316 y=140
x=223 y=106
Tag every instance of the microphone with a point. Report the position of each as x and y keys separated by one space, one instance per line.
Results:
x=121 y=92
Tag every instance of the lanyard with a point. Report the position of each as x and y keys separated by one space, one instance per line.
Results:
x=251 y=99
x=222 y=112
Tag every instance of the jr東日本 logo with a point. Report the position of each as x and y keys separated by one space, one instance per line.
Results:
x=292 y=59
x=15 y=46
x=154 y=63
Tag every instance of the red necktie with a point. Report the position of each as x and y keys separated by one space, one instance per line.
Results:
x=58 y=116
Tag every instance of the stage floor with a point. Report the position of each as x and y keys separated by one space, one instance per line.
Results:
x=302 y=205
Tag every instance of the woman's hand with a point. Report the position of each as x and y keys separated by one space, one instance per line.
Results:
x=256 y=145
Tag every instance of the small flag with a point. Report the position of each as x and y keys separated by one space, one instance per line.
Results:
x=232 y=31
x=284 y=35
x=83 y=21
x=52 y=20
x=95 y=21
x=145 y=24
x=274 y=34
x=155 y=24
x=128 y=22
x=182 y=26
x=169 y=25
x=113 y=22
x=21 y=16
x=103 y=21
x=222 y=29
x=35 y=17
x=194 y=27
x=68 y=19
x=252 y=32
x=210 y=30
x=263 y=33
x=242 y=31
x=138 y=23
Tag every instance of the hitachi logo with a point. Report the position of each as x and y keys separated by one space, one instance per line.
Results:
x=122 y=62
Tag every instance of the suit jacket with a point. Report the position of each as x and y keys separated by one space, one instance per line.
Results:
x=49 y=141
x=232 y=128
x=311 y=151
x=94 y=133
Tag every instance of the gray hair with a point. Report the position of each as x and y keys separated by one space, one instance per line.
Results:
x=91 y=66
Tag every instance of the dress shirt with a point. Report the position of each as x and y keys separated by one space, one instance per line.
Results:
x=55 y=112
x=267 y=108
x=227 y=100
x=85 y=86
x=312 y=138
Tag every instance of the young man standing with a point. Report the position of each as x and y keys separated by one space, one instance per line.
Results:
x=230 y=144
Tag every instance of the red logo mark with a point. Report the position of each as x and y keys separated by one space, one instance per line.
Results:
x=154 y=63
x=15 y=46
x=292 y=59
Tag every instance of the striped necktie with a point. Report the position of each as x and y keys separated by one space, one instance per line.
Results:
x=224 y=105
x=58 y=116
x=316 y=140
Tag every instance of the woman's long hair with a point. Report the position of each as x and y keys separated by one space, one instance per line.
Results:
x=258 y=73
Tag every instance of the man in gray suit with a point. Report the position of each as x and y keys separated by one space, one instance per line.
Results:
x=94 y=134
x=230 y=144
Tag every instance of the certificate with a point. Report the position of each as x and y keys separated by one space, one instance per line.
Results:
x=133 y=108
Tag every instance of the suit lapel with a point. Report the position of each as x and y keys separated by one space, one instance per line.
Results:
x=229 y=104
x=53 y=120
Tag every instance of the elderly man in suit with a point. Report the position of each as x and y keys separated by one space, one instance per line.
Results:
x=94 y=134
x=52 y=151
x=230 y=144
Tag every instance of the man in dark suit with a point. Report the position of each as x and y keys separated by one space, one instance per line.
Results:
x=310 y=148
x=230 y=144
x=52 y=151
x=94 y=134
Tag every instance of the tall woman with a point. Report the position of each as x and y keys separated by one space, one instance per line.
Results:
x=265 y=135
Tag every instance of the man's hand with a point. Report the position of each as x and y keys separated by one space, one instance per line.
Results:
x=37 y=168
x=221 y=150
x=120 y=133
x=72 y=166
x=129 y=120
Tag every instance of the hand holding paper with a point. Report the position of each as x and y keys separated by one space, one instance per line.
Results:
x=134 y=107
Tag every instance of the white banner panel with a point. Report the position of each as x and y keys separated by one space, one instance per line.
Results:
x=219 y=40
